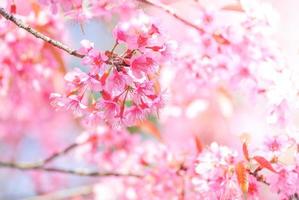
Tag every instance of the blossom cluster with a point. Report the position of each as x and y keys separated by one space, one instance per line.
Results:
x=81 y=11
x=275 y=165
x=239 y=56
x=28 y=78
x=118 y=88
x=118 y=150
x=213 y=172
x=124 y=86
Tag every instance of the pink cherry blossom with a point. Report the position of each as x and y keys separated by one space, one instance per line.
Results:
x=192 y=101
x=119 y=80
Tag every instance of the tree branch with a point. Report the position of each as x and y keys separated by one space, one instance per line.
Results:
x=73 y=52
x=39 y=35
x=171 y=12
x=77 y=172
x=60 y=153
x=51 y=41
x=259 y=178
x=41 y=165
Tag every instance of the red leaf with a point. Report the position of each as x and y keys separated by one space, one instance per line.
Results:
x=199 y=145
x=220 y=39
x=13 y=8
x=233 y=7
x=245 y=151
x=149 y=127
x=242 y=176
x=264 y=163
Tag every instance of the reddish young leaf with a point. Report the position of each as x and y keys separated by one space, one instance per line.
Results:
x=245 y=151
x=199 y=145
x=264 y=163
x=242 y=176
x=149 y=127
x=220 y=39
x=13 y=8
x=233 y=7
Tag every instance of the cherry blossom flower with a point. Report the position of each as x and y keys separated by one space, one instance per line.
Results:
x=206 y=70
x=121 y=86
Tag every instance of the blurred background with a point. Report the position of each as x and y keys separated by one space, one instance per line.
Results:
x=213 y=125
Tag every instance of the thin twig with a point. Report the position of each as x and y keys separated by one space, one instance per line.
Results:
x=39 y=164
x=77 y=172
x=60 y=153
x=73 y=52
x=171 y=12
x=38 y=34
x=51 y=41
x=259 y=178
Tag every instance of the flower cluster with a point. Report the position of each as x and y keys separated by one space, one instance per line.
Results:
x=219 y=170
x=240 y=55
x=27 y=78
x=81 y=11
x=213 y=172
x=117 y=150
x=118 y=92
x=118 y=88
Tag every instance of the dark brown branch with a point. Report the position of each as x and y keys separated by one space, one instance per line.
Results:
x=39 y=35
x=73 y=52
x=51 y=41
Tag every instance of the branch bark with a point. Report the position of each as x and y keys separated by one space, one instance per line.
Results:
x=41 y=165
x=171 y=12
x=60 y=153
x=39 y=35
x=73 y=52
x=77 y=172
